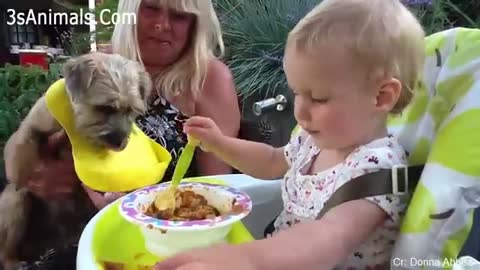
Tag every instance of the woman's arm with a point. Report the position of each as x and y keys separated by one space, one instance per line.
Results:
x=320 y=244
x=219 y=102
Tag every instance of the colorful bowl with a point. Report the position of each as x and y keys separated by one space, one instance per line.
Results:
x=165 y=237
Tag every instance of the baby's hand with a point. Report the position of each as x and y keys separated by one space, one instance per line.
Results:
x=204 y=130
x=218 y=257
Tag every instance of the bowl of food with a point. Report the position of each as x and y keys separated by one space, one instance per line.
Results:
x=204 y=215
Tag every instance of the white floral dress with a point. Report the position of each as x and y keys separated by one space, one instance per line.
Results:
x=304 y=195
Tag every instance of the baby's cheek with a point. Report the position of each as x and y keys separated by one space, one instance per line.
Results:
x=344 y=127
x=338 y=122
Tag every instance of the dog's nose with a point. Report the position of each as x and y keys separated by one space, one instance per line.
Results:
x=115 y=139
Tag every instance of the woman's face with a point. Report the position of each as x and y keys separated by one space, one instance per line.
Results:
x=163 y=34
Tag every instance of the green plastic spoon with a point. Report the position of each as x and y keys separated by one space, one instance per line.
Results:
x=166 y=199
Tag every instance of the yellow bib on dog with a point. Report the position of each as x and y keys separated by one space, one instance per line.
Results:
x=143 y=161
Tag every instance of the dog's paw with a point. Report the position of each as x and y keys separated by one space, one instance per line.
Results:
x=15 y=265
x=22 y=162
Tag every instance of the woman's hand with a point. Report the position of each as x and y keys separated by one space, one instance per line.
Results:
x=54 y=177
x=219 y=257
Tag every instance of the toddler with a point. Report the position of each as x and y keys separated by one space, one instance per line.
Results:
x=349 y=63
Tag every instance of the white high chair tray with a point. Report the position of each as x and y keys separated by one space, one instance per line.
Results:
x=267 y=203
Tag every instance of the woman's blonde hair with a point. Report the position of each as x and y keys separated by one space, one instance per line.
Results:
x=380 y=34
x=187 y=75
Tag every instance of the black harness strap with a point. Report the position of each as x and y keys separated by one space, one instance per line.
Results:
x=398 y=180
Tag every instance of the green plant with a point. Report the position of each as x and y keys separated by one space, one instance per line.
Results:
x=73 y=42
x=255 y=32
x=443 y=14
x=104 y=31
x=20 y=87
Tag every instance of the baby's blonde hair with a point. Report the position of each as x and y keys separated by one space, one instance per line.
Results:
x=187 y=75
x=382 y=35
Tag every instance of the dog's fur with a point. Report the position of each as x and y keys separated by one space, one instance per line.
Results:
x=107 y=93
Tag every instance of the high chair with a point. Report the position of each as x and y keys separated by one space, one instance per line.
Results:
x=440 y=131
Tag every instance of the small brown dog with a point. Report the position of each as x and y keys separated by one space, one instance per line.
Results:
x=107 y=93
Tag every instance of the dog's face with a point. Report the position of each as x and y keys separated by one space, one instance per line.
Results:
x=107 y=93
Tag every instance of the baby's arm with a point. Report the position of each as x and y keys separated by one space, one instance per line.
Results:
x=256 y=159
x=320 y=244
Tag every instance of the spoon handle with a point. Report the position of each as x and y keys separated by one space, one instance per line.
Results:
x=183 y=163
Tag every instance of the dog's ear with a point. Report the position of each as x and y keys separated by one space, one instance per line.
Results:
x=78 y=73
x=144 y=85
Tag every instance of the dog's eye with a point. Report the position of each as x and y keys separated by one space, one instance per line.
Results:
x=105 y=109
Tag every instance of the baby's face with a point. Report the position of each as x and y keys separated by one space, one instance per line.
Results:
x=334 y=102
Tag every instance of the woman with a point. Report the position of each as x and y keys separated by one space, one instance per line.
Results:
x=176 y=40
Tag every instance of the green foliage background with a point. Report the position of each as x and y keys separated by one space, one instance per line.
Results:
x=255 y=32
x=20 y=87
